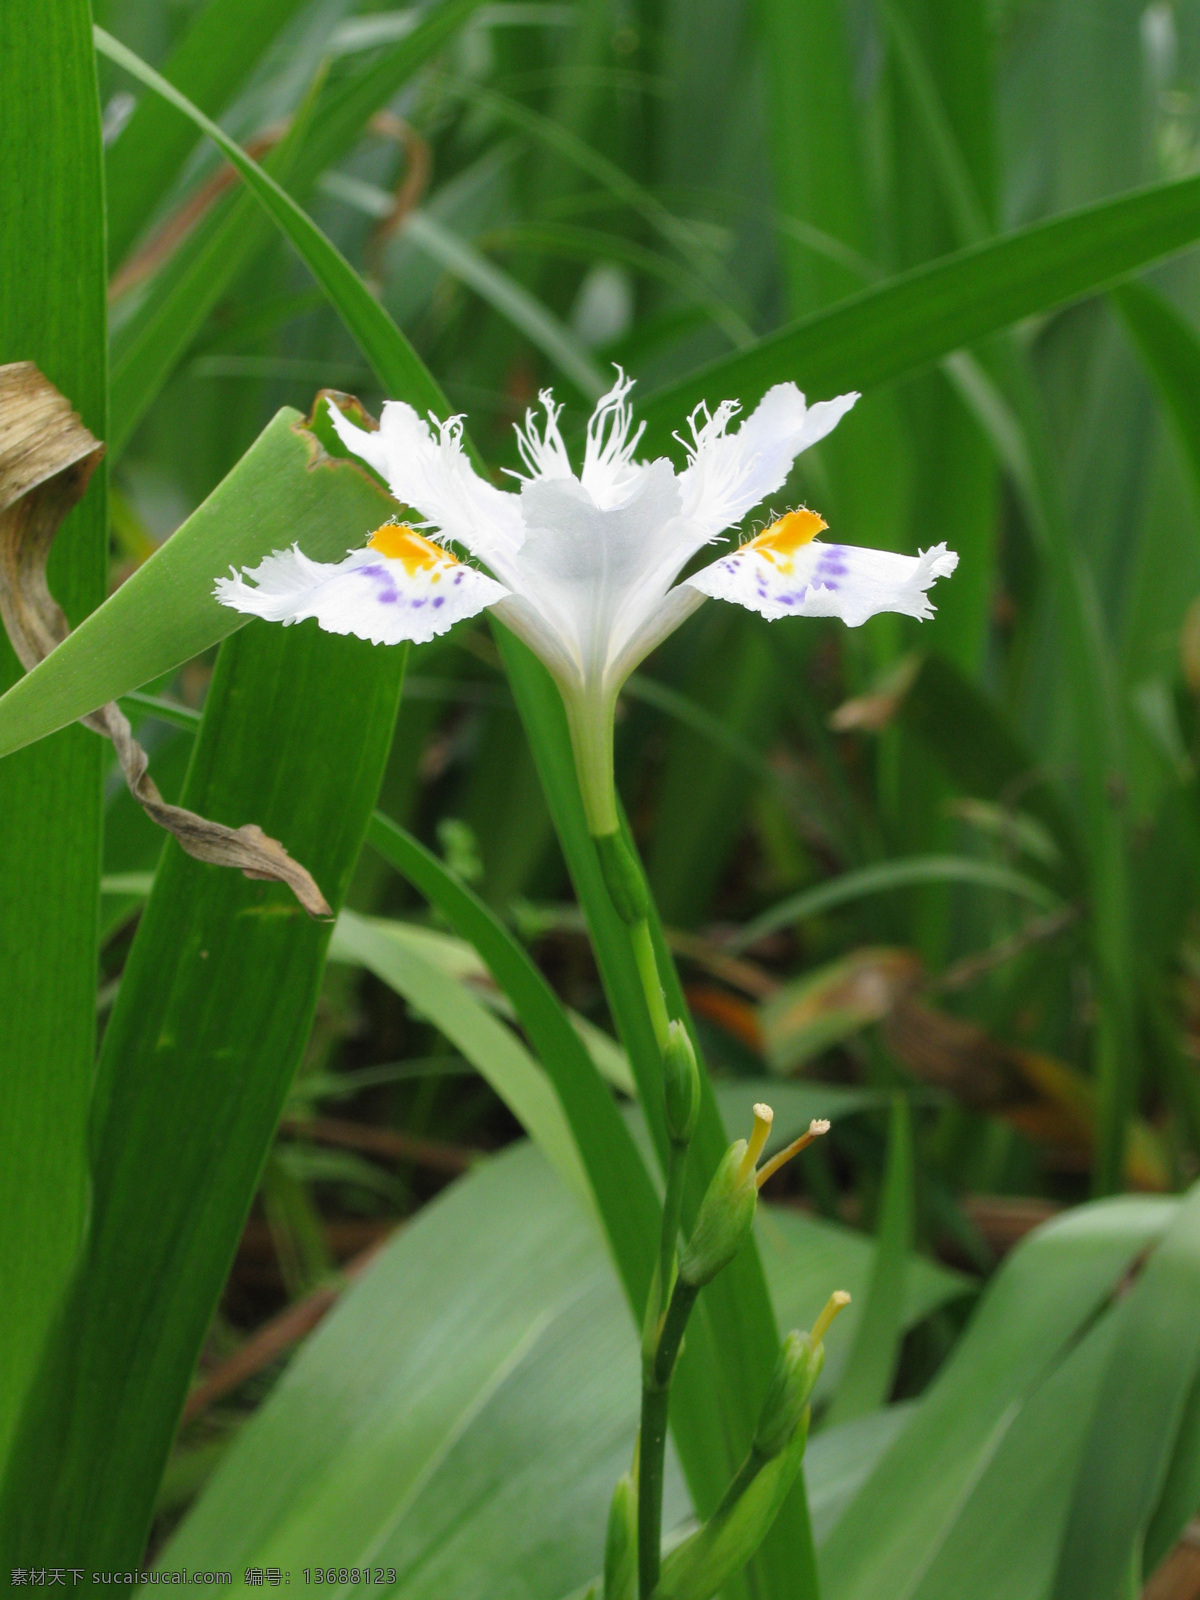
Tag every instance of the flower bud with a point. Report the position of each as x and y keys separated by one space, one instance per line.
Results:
x=622 y=877
x=681 y=1084
x=796 y=1372
x=726 y=1217
x=620 y=1545
x=727 y=1210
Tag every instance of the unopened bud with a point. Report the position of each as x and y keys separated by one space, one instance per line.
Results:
x=727 y=1210
x=620 y=1544
x=622 y=877
x=796 y=1372
x=726 y=1217
x=681 y=1084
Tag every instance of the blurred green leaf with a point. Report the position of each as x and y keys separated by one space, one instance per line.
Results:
x=209 y=63
x=622 y=1189
x=1168 y=345
x=885 y=333
x=887 y=875
x=1044 y=1295
x=481 y=1367
x=399 y=369
x=384 y=949
x=866 y=1381
x=1141 y=1401
x=52 y=312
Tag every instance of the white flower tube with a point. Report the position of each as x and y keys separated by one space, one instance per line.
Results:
x=584 y=566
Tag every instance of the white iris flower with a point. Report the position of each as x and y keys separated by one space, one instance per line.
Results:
x=584 y=566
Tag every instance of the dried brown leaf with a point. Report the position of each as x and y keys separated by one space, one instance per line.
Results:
x=46 y=459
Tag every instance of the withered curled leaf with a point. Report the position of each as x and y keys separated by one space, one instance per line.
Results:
x=46 y=459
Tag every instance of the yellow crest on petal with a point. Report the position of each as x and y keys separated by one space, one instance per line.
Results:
x=782 y=539
x=401 y=543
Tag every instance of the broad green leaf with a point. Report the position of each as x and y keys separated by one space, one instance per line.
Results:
x=887 y=875
x=464 y=1412
x=284 y=489
x=889 y=332
x=208 y=64
x=1142 y=1399
x=1002 y=1542
x=1180 y=1491
x=622 y=1189
x=839 y=1460
x=866 y=1382
x=1045 y=1294
x=52 y=312
x=387 y=949
x=214 y=1009
x=461 y=1416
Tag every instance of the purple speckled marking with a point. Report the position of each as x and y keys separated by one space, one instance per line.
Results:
x=439 y=601
x=417 y=604
x=458 y=577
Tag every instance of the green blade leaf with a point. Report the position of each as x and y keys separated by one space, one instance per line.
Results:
x=492 y=1049
x=887 y=875
x=1168 y=345
x=623 y=1193
x=886 y=333
x=1141 y=1401
x=1046 y=1292
x=52 y=312
x=213 y=58
x=871 y=1366
x=399 y=369
x=480 y=1367
x=284 y=488
x=214 y=1009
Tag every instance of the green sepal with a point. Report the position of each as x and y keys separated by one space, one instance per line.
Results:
x=726 y=1217
x=622 y=878
x=703 y=1564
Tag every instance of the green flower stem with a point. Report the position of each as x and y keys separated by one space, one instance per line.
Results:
x=647 y=965
x=658 y=1368
x=672 y=1210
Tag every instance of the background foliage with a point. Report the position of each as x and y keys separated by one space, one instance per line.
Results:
x=940 y=882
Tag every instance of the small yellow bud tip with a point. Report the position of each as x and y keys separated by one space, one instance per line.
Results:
x=836 y=1302
x=816 y=1128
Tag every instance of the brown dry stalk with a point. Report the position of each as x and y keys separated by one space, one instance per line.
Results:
x=46 y=459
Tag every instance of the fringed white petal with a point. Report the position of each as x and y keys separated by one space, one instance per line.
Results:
x=610 y=474
x=826 y=580
x=730 y=473
x=369 y=594
x=428 y=469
